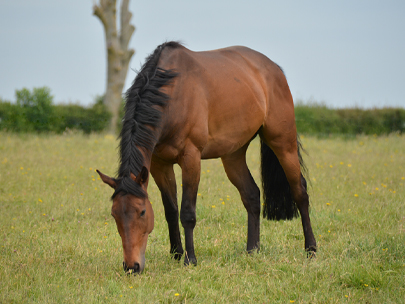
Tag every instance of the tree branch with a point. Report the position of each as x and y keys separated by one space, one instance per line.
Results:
x=127 y=29
x=99 y=12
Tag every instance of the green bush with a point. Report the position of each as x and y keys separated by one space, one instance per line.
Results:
x=9 y=116
x=34 y=112
x=76 y=117
x=321 y=120
x=35 y=109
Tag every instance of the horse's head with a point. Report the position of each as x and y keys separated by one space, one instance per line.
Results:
x=134 y=217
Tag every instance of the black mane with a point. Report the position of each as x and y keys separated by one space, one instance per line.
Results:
x=141 y=117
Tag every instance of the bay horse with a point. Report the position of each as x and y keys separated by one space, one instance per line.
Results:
x=184 y=106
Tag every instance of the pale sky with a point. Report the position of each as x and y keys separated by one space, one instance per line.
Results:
x=344 y=53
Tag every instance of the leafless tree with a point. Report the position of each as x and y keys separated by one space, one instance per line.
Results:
x=118 y=53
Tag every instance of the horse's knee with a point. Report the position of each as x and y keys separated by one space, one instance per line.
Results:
x=171 y=209
x=188 y=217
x=171 y=215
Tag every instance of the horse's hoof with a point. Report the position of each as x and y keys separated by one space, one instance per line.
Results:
x=188 y=261
x=253 y=250
x=177 y=255
x=311 y=252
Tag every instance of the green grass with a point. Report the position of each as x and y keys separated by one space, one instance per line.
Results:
x=59 y=243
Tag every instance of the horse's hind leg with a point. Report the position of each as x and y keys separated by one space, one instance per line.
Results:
x=239 y=174
x=285 y=147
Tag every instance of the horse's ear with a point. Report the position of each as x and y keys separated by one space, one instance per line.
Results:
x=108 y=180
x=142 y=176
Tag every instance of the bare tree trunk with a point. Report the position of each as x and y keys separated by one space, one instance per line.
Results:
x=118 y=54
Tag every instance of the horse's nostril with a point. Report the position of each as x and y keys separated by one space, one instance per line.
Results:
x=135 y=269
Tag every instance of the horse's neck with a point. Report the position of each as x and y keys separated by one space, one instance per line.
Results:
x=147 y=157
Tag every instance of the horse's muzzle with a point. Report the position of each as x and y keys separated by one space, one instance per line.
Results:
x=135 y=269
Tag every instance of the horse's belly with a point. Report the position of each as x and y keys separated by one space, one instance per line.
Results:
x=232 y=128
x=221 y=146
x=216 y=150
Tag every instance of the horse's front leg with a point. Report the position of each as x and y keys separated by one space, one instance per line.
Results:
x=165 y=179
x=190 y=164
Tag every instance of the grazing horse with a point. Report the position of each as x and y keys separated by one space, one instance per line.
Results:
x=185 y=106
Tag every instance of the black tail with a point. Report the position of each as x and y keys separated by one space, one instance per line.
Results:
x=278 y=201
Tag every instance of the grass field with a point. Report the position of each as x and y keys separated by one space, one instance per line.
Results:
x=59 y=243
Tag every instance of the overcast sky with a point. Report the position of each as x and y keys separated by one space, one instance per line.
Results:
x=342 y=53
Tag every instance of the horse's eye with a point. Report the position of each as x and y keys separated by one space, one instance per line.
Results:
x=143 y=212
